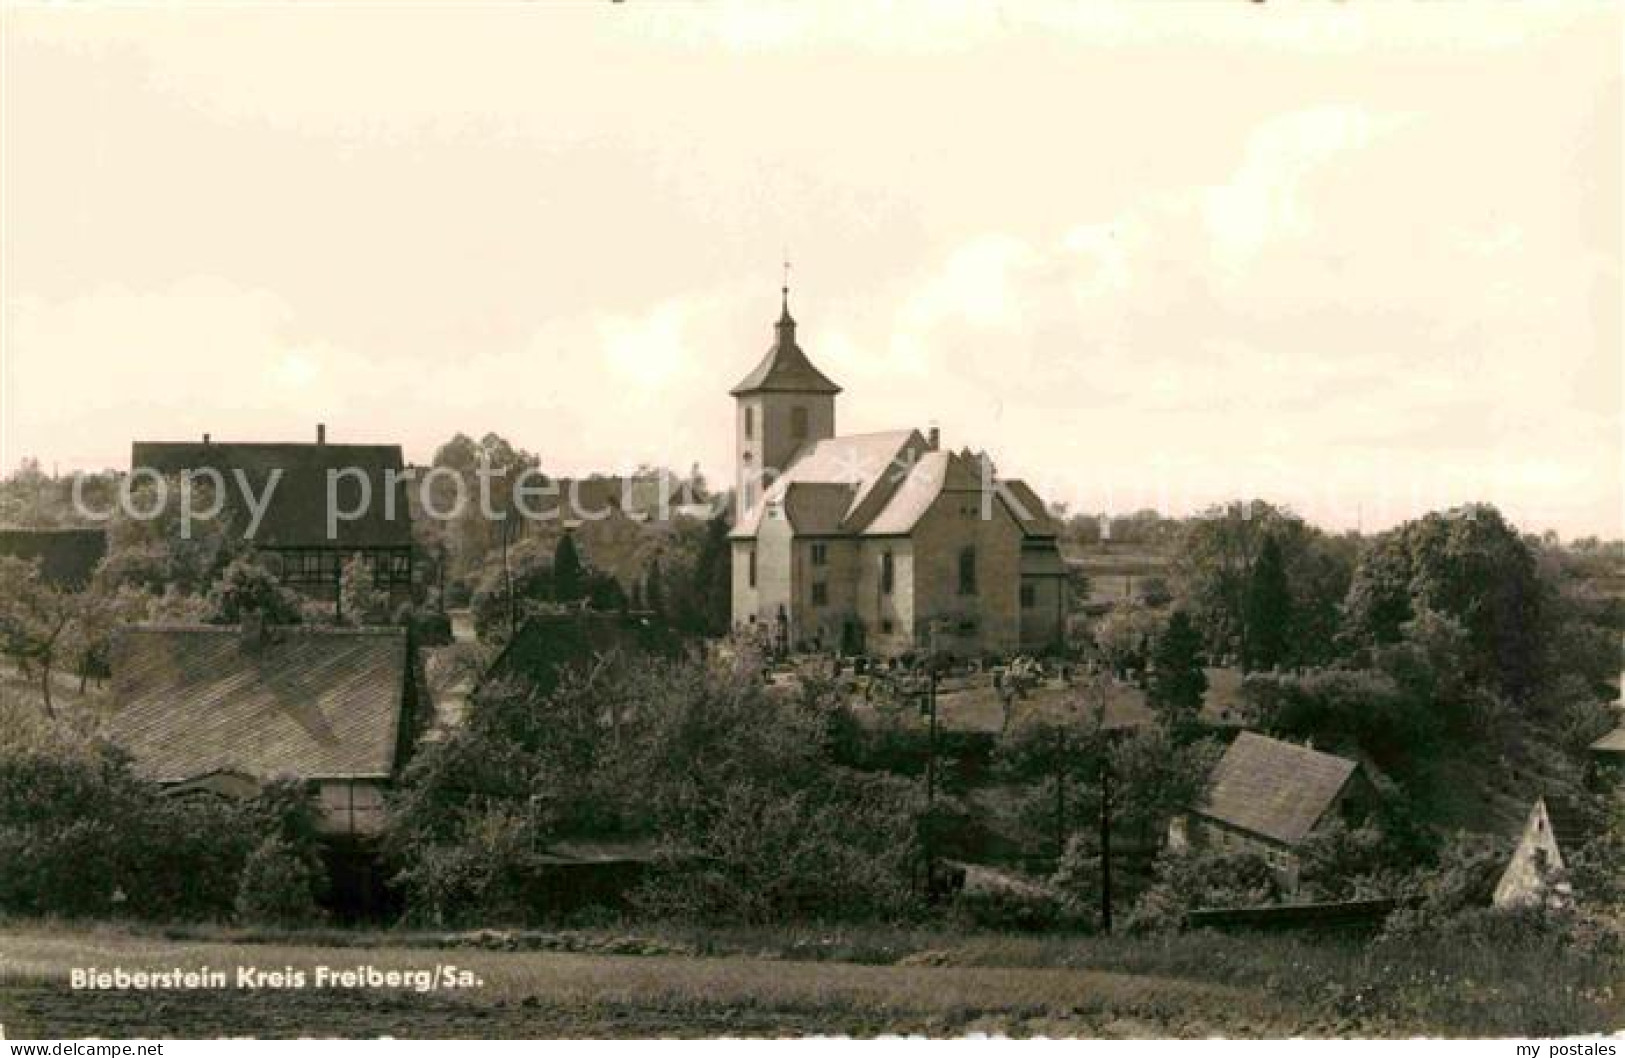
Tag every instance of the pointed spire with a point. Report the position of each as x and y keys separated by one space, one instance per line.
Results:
x=785 y=319
x=785 y=368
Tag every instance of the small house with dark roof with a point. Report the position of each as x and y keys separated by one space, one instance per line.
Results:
x=880 y=543
x=67 y=557
x=548 y=647
x=309 y=544
x=1269 y=797
x=1608 y=753
x=225 y=709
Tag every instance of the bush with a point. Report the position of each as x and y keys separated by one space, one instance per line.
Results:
x=248 y=588
x=80 y=836
x=843 y=849
x=278 y=886
x=1010 y=905
x=1194 y=879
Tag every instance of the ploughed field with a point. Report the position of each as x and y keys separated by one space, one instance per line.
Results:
x=750 y=985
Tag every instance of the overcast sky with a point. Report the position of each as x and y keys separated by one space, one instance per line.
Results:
x=1361 y=258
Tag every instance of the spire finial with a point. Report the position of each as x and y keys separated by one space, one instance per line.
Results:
x=785 y=289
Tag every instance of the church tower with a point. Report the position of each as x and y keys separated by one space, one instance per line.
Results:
x=781 y=406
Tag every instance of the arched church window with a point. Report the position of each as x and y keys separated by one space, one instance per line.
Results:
x=888 y=573
x=967 y=571
x=750 y=422
x=798 y=423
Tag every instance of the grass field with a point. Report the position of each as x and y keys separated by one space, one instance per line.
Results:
x=786 y=982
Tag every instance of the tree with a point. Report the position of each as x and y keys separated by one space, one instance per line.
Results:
x=1467 y=564
x=99 y=613
x=360 y=601
x=1214 y=563
x=1124 y=637
x=277 y=886
x=34 y=617
x=1268 y=611
x=248 y=589
x=1178 y=682
x=654 y=591
x=569 y=582
x=152 y=554
x=487 y=473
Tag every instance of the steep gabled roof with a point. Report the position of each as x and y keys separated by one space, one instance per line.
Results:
x=931 y=474
x=297 y=513
x=1029 y=510
x=869 y=465
x=785 y=368
x=548 y=647
x=1613 y=742
x=307 y=703
x=1275 y=789
x=817 y=508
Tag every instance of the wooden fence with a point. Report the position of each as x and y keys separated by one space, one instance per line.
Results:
x=1349 y=915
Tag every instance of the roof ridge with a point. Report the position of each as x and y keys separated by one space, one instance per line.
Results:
x=267 y=444
x=236 y=629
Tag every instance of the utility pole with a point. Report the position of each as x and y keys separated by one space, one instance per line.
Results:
x=1060 y=793
x=507 y=576
x=1106 y=839
x=930 y=702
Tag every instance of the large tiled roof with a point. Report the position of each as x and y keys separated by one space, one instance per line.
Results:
x=1275 y=789
x=871 y=464
x=882 y=484
x=300 y=702
x=297 y=514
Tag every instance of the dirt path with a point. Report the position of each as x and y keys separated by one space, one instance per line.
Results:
x=550 y=994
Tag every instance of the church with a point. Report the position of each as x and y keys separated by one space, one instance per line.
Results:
x=880 y=543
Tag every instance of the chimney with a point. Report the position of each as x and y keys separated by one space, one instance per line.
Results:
x=205 y=438
x=321 y=433
x=933 y=438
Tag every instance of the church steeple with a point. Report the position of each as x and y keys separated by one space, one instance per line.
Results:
x=781 y=407
x=787 y=323
x=785 y=368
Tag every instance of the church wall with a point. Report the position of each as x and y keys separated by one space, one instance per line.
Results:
x=822 y=625
x=875 y=607
x=990 y=620
x=746 y=602
x=775 y=571
x=1042 y=622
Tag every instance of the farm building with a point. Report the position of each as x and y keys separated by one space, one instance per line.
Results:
x=548 y=645
x=223 y=710
x=66 y=557
x=294 y=531
x=1269 y=797
x=1537 y=873
x=879 y=543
